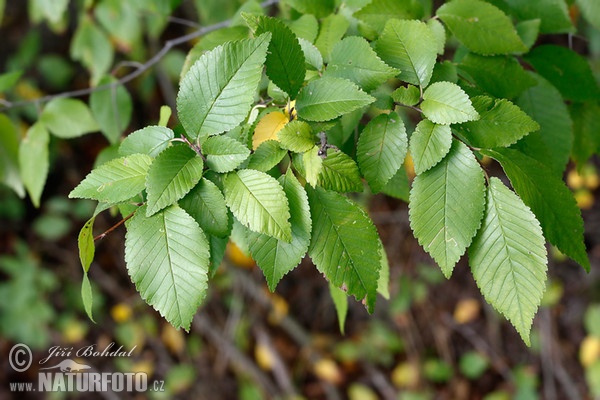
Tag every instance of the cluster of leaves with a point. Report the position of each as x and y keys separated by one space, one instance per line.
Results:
x=271 y=143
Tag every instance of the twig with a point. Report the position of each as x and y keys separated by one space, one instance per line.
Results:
x=471 y=336
x=291 y=327
x=551 y=365
x=115 y=226
x=280 y=371
x=239 y=360
x=233 y=320
x=140 y=69
x=546 y=355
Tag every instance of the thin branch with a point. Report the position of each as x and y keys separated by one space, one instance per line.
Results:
x=239 y=361
x=115 y=226
x=140 y=69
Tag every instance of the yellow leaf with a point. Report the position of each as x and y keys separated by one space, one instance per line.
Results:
x=238 y=257
x=144 y=366
x=268 y=126
x=584 y=199
x=405 y=375
x=121 y=312
x=328 y=370
x=263 y=357
x=279 y=309
x=466 y=311
x=290 y=110
x=589 y=350
x=173 y=339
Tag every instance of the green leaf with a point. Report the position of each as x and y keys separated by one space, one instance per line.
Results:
x=551 y=145
x=319 y=8
x=218 y=91
x=529 y=31
x=409 y=95
x=206 y=204
x=549 y=199
x=383 y=284
x=586 y=126
x=446 y=206
x=591 y=11
x=501 y=124
x=9 y=156
x=276 y=257
x=87 y=296
x=116 y=180
x=173 y=173
x=378 y=12
x=410 y=46
x=8 y=80
x=68 y=118
x=553 y=14
x=500 y=76
x=327 y=98
x=355 y=60
x=439 y=33
x=398 y=187
x=224 y=154
x=112 y=109
x=446 y=103
x=217 y=253
x=312 y=55
x=85 y=242
x=297 y=136
x=481 y=27
x=258 y=201
x=266 y=156
x=306 y=27
x=150 y=140
x=285 y=58
x=165 y=115
x=429 y=144
x=33 y=161
x=344 y=244
x=122 y=21
x=210 y=41
x=92 y=47
x=333 y=28
x=340 y=301
x=167 y=258
x=508 y=258
x=339 y=172
x=53 y=11
x=568 y=71
x=381 y=149
x=310 y=164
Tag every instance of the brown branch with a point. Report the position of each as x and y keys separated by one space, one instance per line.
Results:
x=140 y=69
x=115 y=226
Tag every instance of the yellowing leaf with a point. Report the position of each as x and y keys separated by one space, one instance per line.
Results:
x=144 y=366
x=173 y=339
x=264 y=357
x=328 y=370
x=121 y=312
x=405 y=375
x=268 y=126
x=589 y=351
x=280 y=309
x=238 y=257
x=466 y=311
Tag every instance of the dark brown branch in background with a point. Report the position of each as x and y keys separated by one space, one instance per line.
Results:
x=140 y=69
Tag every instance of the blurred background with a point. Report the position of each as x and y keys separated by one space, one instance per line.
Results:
x=433 y=339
